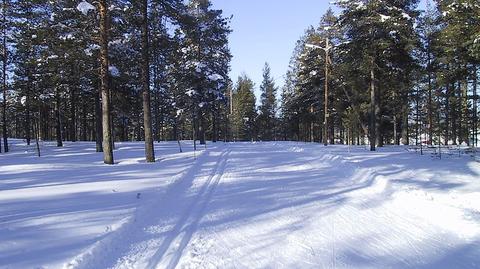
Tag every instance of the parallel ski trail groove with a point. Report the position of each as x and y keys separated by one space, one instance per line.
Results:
x=121 y=242
x=188 y=223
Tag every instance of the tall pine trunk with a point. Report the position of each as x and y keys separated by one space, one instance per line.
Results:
x=475 y=109
x=201 y=127
x=447 y=112
x=405 y=130
x=98 y=123
x=73 y=115
x=104 y=87
x=373 y=110
x=214 y=126
x=4 y=76
x=58 y=126
x=84 y=122
x=430 y=102
x=147 y=114
x=27 y=119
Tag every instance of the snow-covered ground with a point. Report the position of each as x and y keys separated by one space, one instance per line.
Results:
x=238 y=205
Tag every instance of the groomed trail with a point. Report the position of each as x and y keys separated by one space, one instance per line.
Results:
x=291 y=205
x=238 y=205
x=158 y=233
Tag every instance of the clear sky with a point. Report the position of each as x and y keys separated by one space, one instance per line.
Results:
x=266 y=31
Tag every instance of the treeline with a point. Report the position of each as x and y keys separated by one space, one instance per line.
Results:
x=114 y=70
x=381 y=72
x=393 y=74
x=396 y=75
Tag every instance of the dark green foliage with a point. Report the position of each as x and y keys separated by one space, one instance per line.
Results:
x=56 y=70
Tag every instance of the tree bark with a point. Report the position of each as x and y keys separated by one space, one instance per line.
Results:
x=73 y=116
x=98 y=123
x=104 y=87
x=201 y=128
x=27 y=119
x=430 y=102
x=84 y=122
x=475 y=108
x=214 y=123
x=58 y=128
x=326 y=114
x=147 y=114
x=4 y=77
x=405 y=131
x=447 y=116
x=373 y=110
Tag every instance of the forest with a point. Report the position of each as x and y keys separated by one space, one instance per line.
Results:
x=131 y=138
x=376 y=72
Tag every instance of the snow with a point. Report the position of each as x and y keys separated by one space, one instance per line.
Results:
x=113 y=70
x=215 y=77
x=384 y=18
x=406 y=16
x=238 y=205
x=85 y=7
x=68 y=36
x=52 y=57
x=89 y=50
x=191 y=92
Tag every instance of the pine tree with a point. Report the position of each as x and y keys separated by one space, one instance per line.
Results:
x=459 y=62
x=5 y=62
x=147 y=118
x=244 y=112
x=104 y=77
x=382 y=37
x=268 y=107
x=206 y=58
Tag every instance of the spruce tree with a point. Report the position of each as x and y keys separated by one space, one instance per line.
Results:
x=244 y=112
x=268 y=107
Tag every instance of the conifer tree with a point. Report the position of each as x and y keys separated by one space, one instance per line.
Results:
x=147 y=117
x=244 y=112
x=6 y=6
x=268 y=106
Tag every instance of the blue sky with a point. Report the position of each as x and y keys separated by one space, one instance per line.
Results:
x=266 y=31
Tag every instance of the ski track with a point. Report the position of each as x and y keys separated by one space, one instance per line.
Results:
x=187 y=225
x=297 y=205
x=147 y=242
x=369 y=225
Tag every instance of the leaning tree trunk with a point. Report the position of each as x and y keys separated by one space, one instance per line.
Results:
x=104 y=88
x=147 y=114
